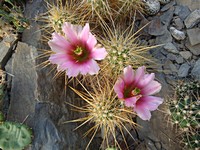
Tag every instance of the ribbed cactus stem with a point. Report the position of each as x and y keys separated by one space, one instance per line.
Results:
x=14 y=136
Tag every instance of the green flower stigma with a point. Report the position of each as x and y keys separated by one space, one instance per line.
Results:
x=136 y=91
x=78 y=51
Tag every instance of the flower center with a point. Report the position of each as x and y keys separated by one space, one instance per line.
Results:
x=135 y=91
x=78 y=51
x=130 y=92
x=80 y=54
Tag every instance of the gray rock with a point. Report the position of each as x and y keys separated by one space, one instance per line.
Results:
x=194 y=57
x=171 y=80
x=192 y=63
x=192 y=19
x=6 y=49
x=186 y=54
x=167 y=16
x=192 y=4
x=32 y=35
x=171 y=48
x=158 y=145
x=196 y=70
x=179 y=60
x=194 y=35
x=8 y=69
x=150 y=145
x=171 y=56
x=169 y=67
x=165 y=38
x=182 y=11
x=183 y=70
x=177 y=65
x=177 y=34
x=141 y=146
x=47 y=136
x=180 y=45
x=24 y=83
x=167 y=6
x=10 y=38
x=163 y=2
x=156 y=52
x=156 y=28
x=163 y=51
x=194 y=49
x=178 y=23
x=151 y=7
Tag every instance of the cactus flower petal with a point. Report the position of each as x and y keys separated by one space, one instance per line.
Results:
x=135 y=89
x=77 y=51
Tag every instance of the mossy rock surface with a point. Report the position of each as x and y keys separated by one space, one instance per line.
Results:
x=14 y=136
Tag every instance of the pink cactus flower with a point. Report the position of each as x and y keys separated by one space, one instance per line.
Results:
x=77 y=51
x=135 y=89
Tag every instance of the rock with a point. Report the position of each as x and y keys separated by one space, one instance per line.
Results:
x=171 y=48
x=141 y=146
x=171 y=56
x=167 y=16
x=10 y=38
x=192 y=4
x=165 y=38
x=163 y=2
x=196 y=70
x=194 y=57
x=156 y=28
x=192 y=19
x=167 y=6
x=192 y=63
x=194 y=49
x=183 y=70
x=151 y=7
x=158 y=145
x=171 y=80
x=178 y=23
x=178 y=35
x=47 y=136
x=156 y=52
x=179 y=59
x=4 y=49
x=7 y=45
x=32 y=35
x=194 y=36
x=150 y=145
x=186 y=54
x=181 y=11
x=169 y=67
x=24 y=83
x=163 y=51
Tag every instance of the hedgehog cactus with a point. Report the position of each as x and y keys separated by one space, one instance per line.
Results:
x=111 y=148
x=185 y=112
x=14 y=136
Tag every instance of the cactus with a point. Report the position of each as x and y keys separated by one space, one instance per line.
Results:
x=111 y=148
x=185 y=112
x=14 y=136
